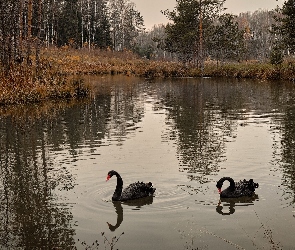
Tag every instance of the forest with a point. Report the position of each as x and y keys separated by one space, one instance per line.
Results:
x=103 y=24
x=200 y=38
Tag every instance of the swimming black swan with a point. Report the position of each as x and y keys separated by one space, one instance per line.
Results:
x=133 y=191
x=236 y=189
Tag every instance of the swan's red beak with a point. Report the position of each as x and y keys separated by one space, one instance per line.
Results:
x=219 y=190
x=108 y=177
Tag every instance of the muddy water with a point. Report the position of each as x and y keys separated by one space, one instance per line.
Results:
x=183 y=135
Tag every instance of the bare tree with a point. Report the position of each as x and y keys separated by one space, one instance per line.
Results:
x=126 y=23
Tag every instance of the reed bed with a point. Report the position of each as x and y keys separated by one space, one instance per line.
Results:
x=53 y=77
x=252 y=70
x=25 y=83
x=86 y=61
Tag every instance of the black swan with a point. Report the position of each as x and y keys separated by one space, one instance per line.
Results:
x=237 y=189
x=133 y=191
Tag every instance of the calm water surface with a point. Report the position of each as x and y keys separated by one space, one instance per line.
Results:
x=183 y=135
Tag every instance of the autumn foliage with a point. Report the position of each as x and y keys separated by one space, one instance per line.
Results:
x=60 y=70
x=23 y=84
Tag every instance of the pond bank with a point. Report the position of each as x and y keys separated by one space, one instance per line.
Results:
x=95 y=62
x=53 y=79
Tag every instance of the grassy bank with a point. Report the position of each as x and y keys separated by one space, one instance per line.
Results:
x=53 y=78
x=253 y=70
x=18 y=88
x=25 y=83
x=107 y=62
x=70 y=61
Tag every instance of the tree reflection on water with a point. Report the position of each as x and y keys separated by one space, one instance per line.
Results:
x=32 y=215
x=202 y=127
x=288 y=153
x=203 y=114
x=207 y=112
x=33 y=212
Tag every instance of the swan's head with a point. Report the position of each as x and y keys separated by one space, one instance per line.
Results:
x=219 y=186
x=110 y=174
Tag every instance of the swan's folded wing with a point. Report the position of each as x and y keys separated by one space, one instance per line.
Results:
x=137 y=190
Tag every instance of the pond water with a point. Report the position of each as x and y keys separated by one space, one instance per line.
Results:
x=183 y=135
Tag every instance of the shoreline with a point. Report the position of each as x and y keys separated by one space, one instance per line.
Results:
x=55 y=79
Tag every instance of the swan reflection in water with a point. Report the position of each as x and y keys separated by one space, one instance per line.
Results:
x=232 y=203
x=137 y=204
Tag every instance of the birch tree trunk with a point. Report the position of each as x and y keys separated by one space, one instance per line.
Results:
x=29 y=34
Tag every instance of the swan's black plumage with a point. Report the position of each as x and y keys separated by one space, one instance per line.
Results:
x=133 y=191
x=237 y=189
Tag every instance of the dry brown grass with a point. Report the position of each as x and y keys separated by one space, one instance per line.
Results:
x=26 y=83
x=253 y=70
x=84 y=61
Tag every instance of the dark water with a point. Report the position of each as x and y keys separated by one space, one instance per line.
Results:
x=183 y=135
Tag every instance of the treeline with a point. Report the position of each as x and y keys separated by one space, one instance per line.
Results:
x=201 y=30
x=25 y=25
x=198 y=31
x=232 y=38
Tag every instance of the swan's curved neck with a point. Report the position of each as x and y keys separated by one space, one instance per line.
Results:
x=231 y=181
x=119 y=187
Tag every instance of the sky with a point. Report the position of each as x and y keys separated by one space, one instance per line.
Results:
x=151 y=9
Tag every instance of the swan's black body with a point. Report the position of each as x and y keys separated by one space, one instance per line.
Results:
x=133 y=191
x=236 y=189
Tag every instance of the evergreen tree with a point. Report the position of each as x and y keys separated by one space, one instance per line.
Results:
x=101 y=27
x=288 y=24
x=95 y=23
x=226 y=39
x=285 y=25
x=191 y=21
x=102 y=36
x=69 y=24
x=276 y=55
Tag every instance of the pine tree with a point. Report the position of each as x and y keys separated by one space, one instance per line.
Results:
x=288 y=24
x=226 y=39
x=284 y=29
x=101 y=26
x=69 y=24
x=187 y=34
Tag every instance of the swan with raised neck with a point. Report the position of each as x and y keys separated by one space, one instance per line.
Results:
x=133 y=191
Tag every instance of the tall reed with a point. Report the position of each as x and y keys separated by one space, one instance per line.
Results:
x=28 y=82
